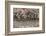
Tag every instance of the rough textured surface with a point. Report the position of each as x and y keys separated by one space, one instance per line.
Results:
x=26 y=24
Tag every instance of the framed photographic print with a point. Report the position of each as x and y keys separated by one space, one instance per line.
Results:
x=24 y=17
